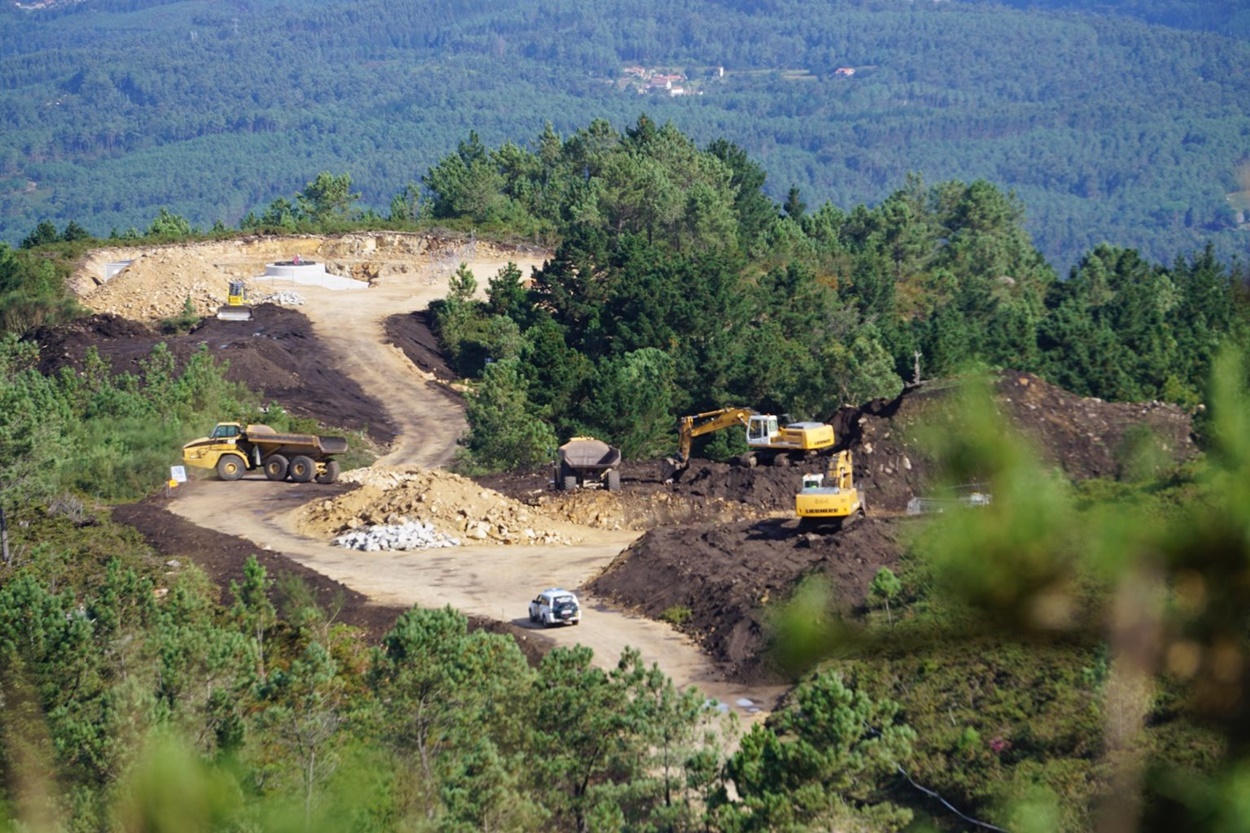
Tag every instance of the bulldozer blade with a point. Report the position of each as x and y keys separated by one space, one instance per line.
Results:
x=234 y=314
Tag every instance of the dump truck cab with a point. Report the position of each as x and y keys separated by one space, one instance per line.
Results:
x=228 y=431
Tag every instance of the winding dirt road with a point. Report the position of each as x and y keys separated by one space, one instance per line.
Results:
x=495 y=582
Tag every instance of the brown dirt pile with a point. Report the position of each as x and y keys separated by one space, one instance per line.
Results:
x=454 y=505
x=706 y=492
x=1079 y=436
x=277 y=355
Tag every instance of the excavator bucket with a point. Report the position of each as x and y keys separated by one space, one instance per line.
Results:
x=671 y=468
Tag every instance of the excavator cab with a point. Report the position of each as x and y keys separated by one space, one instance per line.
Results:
x=236 y=307
x=761 y=428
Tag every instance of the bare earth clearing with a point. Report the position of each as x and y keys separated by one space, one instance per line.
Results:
x=720 y=543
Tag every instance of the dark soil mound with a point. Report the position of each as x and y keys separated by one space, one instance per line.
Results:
x=1080 y=436
x=718 y=580
x=760 y=490
x=276 y=354
x=726 y=575
x=411 y=332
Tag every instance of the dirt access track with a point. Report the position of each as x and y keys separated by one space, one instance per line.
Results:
x=715 y=547
x=363 y=344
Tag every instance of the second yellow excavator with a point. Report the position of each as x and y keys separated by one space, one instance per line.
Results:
x=836 y=503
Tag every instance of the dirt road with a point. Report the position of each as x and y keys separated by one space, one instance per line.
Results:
x=495 y=582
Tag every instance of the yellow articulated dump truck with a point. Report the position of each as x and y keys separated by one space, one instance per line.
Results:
x=233 y=449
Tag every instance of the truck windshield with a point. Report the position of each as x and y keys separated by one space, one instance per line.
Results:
x=224 y=431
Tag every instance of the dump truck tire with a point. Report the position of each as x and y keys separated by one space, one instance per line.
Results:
x=302 y=469
x=276 y=467
x=570 y=483
x=231 y=467
x=614 y=481
x=331 y=473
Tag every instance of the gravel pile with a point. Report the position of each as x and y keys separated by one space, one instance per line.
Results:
x=283 y=299
x=408 y=535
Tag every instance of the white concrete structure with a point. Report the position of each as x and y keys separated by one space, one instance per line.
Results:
x=111 y=269
x=309 y=274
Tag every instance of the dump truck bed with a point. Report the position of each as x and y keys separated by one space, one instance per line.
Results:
x=589 y=455
x=273 y=442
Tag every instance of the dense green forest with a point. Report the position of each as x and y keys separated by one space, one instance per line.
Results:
x=1070 y=659
x=1224 y=18
x=1110 y=128
x=678 y=286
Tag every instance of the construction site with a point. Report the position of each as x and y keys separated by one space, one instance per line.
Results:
x=717 y=544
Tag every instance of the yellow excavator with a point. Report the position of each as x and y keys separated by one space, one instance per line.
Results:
x=236 y=307
x=835 y=504
x=769 y=439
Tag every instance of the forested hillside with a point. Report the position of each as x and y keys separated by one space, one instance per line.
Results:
x=1067 y=658
x=1108 y=128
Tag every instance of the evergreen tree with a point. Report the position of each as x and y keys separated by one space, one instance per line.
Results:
x=505 y=432
x=328 y=197
x=43 y=234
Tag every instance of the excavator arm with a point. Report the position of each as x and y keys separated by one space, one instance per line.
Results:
x=696 y=425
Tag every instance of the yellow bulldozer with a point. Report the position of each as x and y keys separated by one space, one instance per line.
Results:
x=834 y=504
x=236 y=307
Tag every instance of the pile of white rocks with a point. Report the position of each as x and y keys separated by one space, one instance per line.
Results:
x=284 y=299
x=406 y=535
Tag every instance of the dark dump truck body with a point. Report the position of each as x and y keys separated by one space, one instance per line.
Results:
x=585 y=461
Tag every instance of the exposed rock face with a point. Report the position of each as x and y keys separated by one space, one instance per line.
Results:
x=160 y=280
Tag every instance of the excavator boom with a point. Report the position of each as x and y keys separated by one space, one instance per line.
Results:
x=696 y=425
